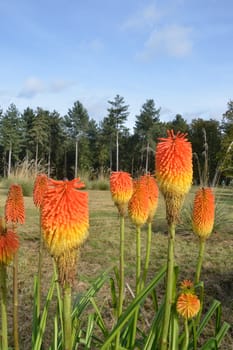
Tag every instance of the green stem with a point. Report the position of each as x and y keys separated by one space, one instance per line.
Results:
x=15 y=302
x=169 y=286
x=3 y=300
x=39 y=270
x=147 y=258
x=138 y=281
x=200 y=260
x=122 y=275
x=67 y=317
x=121 y=267
x=186 y=339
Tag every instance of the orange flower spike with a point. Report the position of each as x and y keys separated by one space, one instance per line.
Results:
x=174 y=171
x=121 y=187
x=9 y=245
x=65 y=219
x=14 y=209
x=138 y=206
x=153 y=195
x=39 y=190
x=203 y=212
x=188 y=305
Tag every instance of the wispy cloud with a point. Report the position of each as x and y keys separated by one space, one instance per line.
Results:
x=60 y=85
x=95 y=45
x=173 y=40
x=146 y=17
x=34 y=86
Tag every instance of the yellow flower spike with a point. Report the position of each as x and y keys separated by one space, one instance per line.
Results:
x=188 y=305
x=65 y=219
x=121 y=187
x=174 y=171
x=14 y=209
x=39 y=189
x=138 y=206
x=153 y=195
x=203 y=212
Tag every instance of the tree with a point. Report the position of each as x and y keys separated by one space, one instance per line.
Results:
x=39 y=135
x=178 y=124
x=145 y=127
x=27 y=117
x=213 y=139
x=56 y=145
x=76 y=122
x=117 y=116
x=11 y=134
x=226 y=154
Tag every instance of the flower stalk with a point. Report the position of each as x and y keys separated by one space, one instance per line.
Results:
x=200 y=260
x=67 y=317
x=147 y=257
x=15 y=302
x=169 y=286
x=3 y=300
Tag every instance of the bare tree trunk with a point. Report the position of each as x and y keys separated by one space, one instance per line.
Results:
x=9 y=160
x=110 y=154
x=147 y=156
x=76 y=159
x=117 y=151
x=36 y=160
x=49 y=163
x=65 y=164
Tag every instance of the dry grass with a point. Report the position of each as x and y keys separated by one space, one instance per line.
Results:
x=102 y=250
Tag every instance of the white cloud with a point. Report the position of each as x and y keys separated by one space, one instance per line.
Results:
x=146 y=17
x=172 y=40
x=60 y=85
x=34 y=86
x=95 y=45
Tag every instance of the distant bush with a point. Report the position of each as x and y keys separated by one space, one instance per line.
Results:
x=27 y=185
x=102 y=185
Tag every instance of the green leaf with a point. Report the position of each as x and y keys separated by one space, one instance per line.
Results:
x=82 y=302
x=42 y=324
x=211 y=344
x=222 y=332
x=129 y=312
x=215 y=305
x=155 y=330
x=99 y=319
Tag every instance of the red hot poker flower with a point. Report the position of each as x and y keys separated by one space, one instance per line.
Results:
x=188 y=305
x=65 y=219
x=121 y=187
x=203 y=212
x=9 y=244
x=153 y=195
x=14 y=209
x=174 y=163
x=174 y=171
x=39 y=190
x=138 y=206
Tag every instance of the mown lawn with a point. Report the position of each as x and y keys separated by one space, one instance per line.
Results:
x=102 y=251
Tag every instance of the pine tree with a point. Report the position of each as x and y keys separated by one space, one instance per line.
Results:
x=11 y=135
x=147 y=127
x=117 y=116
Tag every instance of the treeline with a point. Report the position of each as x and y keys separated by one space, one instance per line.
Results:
x=65 y=145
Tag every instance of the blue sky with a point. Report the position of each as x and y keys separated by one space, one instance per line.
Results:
x=178 y=52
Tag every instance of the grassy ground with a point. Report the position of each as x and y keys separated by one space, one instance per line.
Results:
x=102 y=250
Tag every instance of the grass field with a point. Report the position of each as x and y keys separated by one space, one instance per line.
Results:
x=102 y=251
